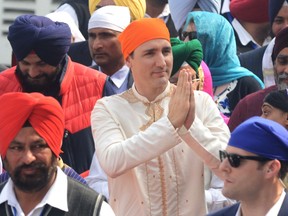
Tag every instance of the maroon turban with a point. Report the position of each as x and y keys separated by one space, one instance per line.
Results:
x=43 y=113
x=281 y=42
x=253 y=11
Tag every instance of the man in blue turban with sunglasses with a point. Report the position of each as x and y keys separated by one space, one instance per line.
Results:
x=254 y=166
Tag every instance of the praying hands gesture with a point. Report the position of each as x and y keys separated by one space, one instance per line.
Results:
x=182 y=103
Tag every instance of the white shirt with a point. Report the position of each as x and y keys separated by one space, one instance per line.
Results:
x=275 y=208
x=55 y=197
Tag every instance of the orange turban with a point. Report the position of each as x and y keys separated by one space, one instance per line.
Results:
x=141 y=31
x=43 y=113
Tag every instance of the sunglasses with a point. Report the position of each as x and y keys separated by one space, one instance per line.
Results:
x=235 y=159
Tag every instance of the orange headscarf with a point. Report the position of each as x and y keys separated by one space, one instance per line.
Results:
x=141 y=31
x=43 y=113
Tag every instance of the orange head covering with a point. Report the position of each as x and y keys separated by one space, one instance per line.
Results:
x=43 y=113
x=141 y=31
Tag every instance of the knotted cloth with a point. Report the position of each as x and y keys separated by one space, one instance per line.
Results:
x=263 y=137
x=141 y=31
x=190 y=52
x=49 y=40
x=43 y=113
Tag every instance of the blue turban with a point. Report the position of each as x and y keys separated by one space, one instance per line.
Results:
x=263 y=137
x=49 y=40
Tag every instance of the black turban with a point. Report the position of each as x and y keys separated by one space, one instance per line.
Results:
x=281 y=42
x=274 y=8
x=49 y=40
x=278 y=99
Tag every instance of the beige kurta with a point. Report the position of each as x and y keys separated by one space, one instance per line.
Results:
x=151 y=171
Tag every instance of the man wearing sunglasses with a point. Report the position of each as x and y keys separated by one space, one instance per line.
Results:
x=253 y=168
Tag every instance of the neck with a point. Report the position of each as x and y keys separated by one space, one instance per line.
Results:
x=111 y=69
x=29 y=200
x=258 y=31
x=261 y=204
x=150 y=94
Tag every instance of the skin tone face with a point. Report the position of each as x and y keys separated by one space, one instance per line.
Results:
x=151 y=65
x=30 y=162
x=281 y=69
x=105 y=49
x=274 y=114
x=281 y=20
x=37 y=72
x=239 y=184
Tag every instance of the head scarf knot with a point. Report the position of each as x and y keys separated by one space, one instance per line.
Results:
x=141 y=31
x=190 y=52
x=49 y=40
x=43 y=113
x=263 y=137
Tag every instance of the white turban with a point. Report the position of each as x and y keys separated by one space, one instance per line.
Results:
x=112 y=17
x=179 y=11
x=62 y=16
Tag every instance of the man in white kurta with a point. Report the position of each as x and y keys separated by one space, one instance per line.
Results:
x=138 y=134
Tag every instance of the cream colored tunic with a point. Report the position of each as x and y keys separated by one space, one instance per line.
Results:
x=151 y=171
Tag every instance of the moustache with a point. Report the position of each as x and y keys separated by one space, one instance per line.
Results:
x=283 y=75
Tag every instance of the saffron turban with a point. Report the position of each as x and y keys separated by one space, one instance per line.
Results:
x=137 y=7
x=43 y=113
x=180 y=9
x=190 y=52
x=274 y=8
x=141 y=31
x=49 y=40
x=112 y=17
x=281 y=42
x=278 y=99
x=254 y=11
x=263 y=137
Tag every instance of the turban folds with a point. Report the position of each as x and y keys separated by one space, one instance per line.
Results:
x=49 y=40
x=281 y=42
x=263 y=137
x=254 y=11
x=112 y=17
x=190 y=52
x=137 y=7
x=141 y=31
x=43 y=113
x=180 y=9
x=278 y=99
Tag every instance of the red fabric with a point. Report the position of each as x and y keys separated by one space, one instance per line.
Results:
x=141 y=31
x=44 y=114
x=80 y=89
x=254 y=11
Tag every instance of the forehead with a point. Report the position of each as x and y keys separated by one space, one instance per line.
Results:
x=283 y=12
x=99 y=30
x=155 y=44
x=235 y=150
x=283 y=53
x=32 y=57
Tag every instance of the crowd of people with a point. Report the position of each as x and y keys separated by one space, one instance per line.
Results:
x=146 y=107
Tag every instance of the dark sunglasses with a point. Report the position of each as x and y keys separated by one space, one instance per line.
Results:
x=191 y=35
x=234 y=159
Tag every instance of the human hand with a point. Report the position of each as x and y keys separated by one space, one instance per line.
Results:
x=179 y=105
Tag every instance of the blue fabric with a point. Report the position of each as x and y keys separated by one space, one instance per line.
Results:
x=263 y=137
x=219 y=47
x=49 y=40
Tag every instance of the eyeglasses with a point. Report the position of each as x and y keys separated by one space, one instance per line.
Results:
x=191 y=35
x=234 y=159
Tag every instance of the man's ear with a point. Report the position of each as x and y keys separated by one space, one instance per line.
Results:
x=128 y=61
x=272 y=169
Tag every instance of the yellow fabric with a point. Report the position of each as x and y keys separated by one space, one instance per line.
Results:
x=137 y=7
